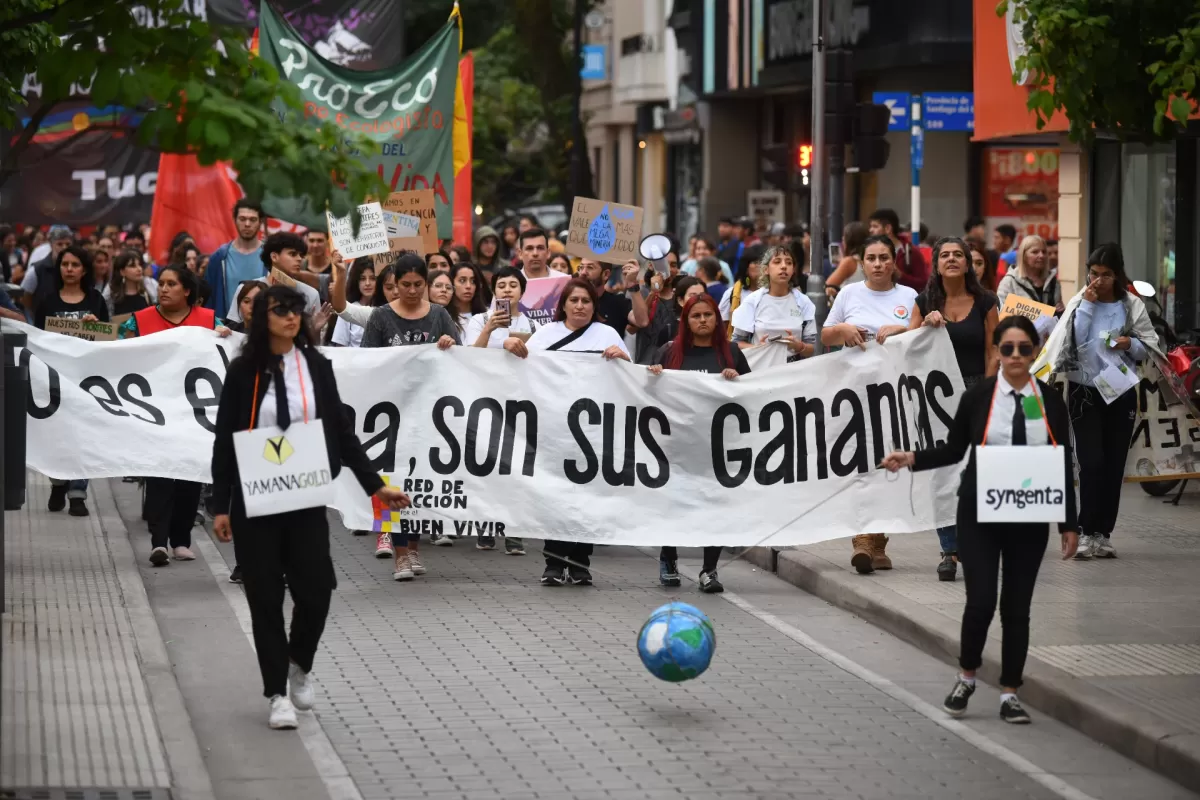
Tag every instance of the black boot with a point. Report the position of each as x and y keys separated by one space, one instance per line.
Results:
x=947 y=570
x=58 y=497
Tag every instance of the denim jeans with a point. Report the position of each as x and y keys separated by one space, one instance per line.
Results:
x=76 y=490
x=948 y=537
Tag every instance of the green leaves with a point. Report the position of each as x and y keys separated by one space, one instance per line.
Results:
x=1128 y=69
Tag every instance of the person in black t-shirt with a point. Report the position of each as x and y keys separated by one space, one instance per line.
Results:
x=127 y=291
x=70 y=294
x=957 y=301
x=701 y=345
x=616 y=310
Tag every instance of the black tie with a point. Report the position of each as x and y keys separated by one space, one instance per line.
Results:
x=1018 y=420
x=283 y=417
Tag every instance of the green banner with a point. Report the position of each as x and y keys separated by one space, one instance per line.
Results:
x=408 y=109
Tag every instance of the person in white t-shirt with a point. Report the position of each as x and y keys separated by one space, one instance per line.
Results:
x=360 y=290
x=493 y=327
x=779 y=309
x=877 y=307
x=576 y=328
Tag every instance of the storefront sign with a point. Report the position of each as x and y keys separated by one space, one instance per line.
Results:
x=789 y=27
x=764 y=207
x=1020 y=188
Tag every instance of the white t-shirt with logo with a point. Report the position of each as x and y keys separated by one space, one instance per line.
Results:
x=864 y=308
x=520 y=324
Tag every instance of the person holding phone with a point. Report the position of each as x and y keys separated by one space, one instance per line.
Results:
x=279 y=379
x=779 y=311
x=1012 y=408
x=1105 y=333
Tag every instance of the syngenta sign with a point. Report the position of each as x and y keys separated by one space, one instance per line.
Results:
x=1025 y=496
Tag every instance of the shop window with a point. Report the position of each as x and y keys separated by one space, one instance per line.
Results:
x=1148 y=217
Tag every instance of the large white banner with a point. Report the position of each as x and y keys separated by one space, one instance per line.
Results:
x=561 y=445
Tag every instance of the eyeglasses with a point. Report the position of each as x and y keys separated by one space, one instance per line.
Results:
x=1103 y=278
x=1024 y=348
x=286 y=310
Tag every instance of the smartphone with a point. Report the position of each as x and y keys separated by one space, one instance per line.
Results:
x=503 y=307
x=835 y=253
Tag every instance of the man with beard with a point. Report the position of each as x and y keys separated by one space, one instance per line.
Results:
x=616 y=309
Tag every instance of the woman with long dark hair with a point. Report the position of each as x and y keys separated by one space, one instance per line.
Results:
x=985 y=264
x=746 y=280
x=576 y=328
x=955 y=300
x=409 y=319
x=129 y=290
x=279 y=379
x=700 y=346
x=359 y=291
x=1104 y=333
x=1010 y=409
x=471 y=293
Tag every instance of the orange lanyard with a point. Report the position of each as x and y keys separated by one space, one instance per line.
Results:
x=1036 y=396
x=303 y=395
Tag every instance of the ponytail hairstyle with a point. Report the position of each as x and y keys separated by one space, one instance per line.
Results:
x=682 y=343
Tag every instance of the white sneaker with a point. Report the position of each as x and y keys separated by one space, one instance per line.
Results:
x=441 y=541
x=414 y=562
x=1103 y=547
x=383 y=546
x=184 y=554
x=283 y=716
x=300 y=687
x=1086 y=548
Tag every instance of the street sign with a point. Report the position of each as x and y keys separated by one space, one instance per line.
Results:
x=594 y=67
x=949 y=111
x=899 y=103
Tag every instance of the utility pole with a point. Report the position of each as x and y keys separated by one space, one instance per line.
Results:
x=818 y=171
x=577 y=142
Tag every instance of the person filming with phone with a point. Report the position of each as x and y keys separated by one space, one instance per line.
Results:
x=505 y=317
x=1014 y=426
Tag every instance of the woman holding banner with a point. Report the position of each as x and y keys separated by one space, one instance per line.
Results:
x=955 y=300
x=576 y=328
x=1010 y=410
x=779 y=310
x=280 y=381
x=876 y=307
x=170 y=507
x=700 y=346
x=410 y=319
x=1106 y=332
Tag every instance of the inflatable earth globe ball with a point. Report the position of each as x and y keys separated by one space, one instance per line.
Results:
x=677 y=642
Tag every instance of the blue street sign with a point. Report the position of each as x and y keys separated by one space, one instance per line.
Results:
x=949 y=111
x=917 y=151
x=594 y=66
x=899 y=103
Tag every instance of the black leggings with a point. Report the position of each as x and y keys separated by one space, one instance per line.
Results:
x=711 y=554
x=1102 y=434
x=981 y=548
x=573 y=555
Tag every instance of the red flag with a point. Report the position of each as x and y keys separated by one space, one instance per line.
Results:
x=464 y=211
x=192 y=198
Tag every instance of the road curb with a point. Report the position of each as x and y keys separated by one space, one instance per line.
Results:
x=1149 y=740
x=190 y=778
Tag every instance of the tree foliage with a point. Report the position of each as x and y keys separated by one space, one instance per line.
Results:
x=1123 y=67
x=199 y=88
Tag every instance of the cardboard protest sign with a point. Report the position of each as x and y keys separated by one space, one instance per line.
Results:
x=120 y=319
x=281 y=278
x=77 y=328
x=372 y=232
x=1040 y=314
x=417 y=204
x=604 y=231
x=397 y=248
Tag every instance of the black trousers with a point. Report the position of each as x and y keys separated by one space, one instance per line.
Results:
x=981 y=550
x=577 y=554
x=711 y=555
x=1102 y=434
x=170 y=511
x=296 y=544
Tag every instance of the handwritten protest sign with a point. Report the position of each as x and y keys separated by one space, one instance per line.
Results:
x=417 y=204
x=89 y=331
x=604 y=231
x=281 y=278
x=1040 y=314
x=372 y=232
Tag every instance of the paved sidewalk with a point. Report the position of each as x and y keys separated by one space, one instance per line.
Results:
x=87 y=695
x=1115 y=644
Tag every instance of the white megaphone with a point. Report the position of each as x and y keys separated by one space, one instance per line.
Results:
x=654 y=248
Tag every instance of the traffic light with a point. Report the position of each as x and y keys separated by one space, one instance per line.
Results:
x=804 y=156
x=839 y=97
x=871 y=148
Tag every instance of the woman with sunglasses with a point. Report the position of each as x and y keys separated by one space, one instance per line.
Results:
x=1012 y=408
x=700 y=346
x=954 y=300
x=1105 y=330
x=280 y=378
